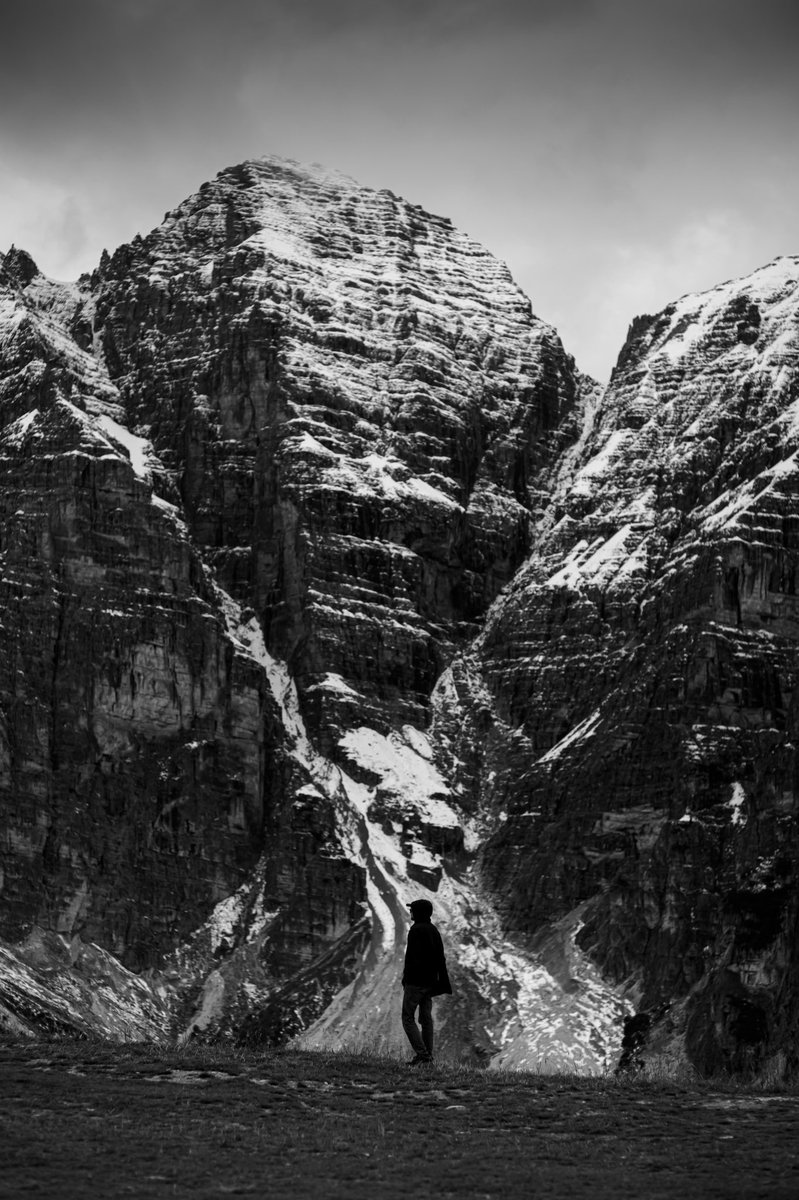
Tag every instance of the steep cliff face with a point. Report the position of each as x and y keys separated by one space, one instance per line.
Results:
x=143 y=761
x=628 y=715
x=133 y=733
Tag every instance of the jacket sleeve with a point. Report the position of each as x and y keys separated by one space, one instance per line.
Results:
x=443 y=986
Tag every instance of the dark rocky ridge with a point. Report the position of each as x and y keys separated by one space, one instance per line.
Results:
x=634 y=691
x=297 y=475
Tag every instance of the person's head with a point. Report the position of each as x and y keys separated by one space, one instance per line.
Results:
x=421 y=910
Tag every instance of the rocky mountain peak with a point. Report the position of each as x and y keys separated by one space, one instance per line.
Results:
x=270 y=166
x=692 y=326
x=384 y=363
x=328 y=580
x=17 y=267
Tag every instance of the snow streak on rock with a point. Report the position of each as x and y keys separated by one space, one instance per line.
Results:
x=510 y=1010
x=50 y=985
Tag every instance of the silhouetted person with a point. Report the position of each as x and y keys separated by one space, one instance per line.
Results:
x=424 y=976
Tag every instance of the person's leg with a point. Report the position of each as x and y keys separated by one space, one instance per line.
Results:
x=411 y=996
x=426 y=1022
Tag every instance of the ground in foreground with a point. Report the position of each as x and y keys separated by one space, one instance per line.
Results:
x=109 y=1121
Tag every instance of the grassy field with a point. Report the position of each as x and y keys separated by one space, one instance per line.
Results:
x=92 y=1121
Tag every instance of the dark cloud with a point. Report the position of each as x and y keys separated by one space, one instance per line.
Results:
x=86 y=65
x=597 y=145
x=99 y=51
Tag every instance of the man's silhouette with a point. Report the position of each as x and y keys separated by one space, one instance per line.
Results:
x=424 y=976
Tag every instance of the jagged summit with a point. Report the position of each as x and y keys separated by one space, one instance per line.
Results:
x=315 y=172
x=18 y=267
x=685 y=324
x=765 y=281
x=344 y=234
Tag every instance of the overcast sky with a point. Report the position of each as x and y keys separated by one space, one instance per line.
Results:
x=615 y=153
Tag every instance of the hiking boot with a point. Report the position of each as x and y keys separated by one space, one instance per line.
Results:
x=419 y=1060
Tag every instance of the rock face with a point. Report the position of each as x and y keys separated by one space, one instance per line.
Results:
x=132 y=749
x=633 y=693
x=329 y=580
x=355 y=404
x=143 y=759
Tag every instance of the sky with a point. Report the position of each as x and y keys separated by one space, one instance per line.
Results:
x=616 y=154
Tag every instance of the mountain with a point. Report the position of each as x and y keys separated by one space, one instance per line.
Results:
x=633 y=691
x=330 y=581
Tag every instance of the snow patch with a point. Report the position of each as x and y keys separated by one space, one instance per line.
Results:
x=736 y=804
x=404 y=762
x=137 y=449
x=587 y=478
x=333 y=682
x=597 y=563
x=222 y=923
x=678 y=344
x=583 y=730
x=725 y=511
x=210 y=1008
x=281 y=243
x=307 y=444
x=15 y=432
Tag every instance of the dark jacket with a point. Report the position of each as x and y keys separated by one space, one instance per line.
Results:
x=425 y=964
